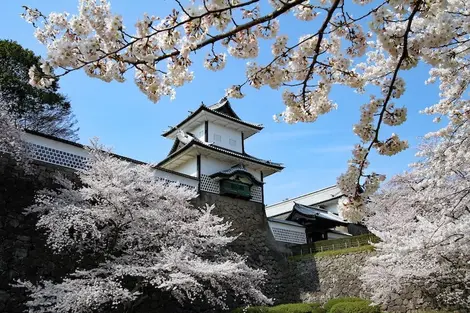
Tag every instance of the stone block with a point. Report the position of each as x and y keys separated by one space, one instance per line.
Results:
x=14 y=223
x=20 y=253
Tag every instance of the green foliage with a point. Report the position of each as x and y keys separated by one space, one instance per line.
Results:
x=284 y=308
x=297 y=308
x=332 y=302
x=43 y=110
x=354 y=307
x=330 y=253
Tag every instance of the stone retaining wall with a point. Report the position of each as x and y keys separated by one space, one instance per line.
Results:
x=338 y=276
x=23 y=254
x=257 y=243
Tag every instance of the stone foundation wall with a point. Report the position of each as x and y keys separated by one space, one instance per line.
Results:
x=338 y=276
x=257 y=243
x=23 y=254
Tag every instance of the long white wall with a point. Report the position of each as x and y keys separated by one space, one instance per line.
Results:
x=225 y=137
x=53 y=144
x=75 y=157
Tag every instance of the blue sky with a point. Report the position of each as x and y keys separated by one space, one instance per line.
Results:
x=314 y=153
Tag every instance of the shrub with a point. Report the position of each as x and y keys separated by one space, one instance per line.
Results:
x=355 y=307
x=297 y=308
x=333 y=302
x=319 y=310
x=433 y=311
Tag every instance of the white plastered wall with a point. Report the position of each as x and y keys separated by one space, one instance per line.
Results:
x=210 y=165
x=331 y=206
x=53 y=144
x=188 y=168
x=72 y=151
x=226 y=135
x=199 y=132
x=255 y=173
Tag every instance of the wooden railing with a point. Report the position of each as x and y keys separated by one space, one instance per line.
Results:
x=334 y=244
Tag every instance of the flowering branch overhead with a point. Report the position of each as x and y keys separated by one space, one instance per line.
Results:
x=370 y=50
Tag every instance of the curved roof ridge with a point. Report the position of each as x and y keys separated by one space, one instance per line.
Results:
x=194 y=140
x=228 y=113
x=224 y=107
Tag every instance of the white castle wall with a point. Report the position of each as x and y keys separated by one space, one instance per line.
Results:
x=75 y=157
x=226 y=135
x=199 y=132
x=188 y=168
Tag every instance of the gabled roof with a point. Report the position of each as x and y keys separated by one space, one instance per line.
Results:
x=318 y=197
x=191 y=141
x=176 y=145
x=221 y=109
x=237 y=169
x=224 y=107
x=311 y=212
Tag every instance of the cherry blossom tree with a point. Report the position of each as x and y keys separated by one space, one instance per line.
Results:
x=10 y=136
x=144 y=235
x=362 y=44
x=423 y=219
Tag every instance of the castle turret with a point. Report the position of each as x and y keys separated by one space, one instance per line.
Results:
x=210 y=145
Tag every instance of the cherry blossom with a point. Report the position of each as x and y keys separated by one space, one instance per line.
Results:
x=423 y=219
x=145 y=235
x=11 y=141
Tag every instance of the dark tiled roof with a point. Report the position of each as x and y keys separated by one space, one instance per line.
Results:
x=311 y=211
x=222 y=109
x=245 y=156
x=175 y=146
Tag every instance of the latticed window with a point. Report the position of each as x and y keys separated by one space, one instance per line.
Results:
x=235 y=188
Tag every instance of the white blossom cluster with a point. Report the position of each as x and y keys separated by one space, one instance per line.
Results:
x=144 y=235
x=336 y=49
x=10 y=137
x=423 y=220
